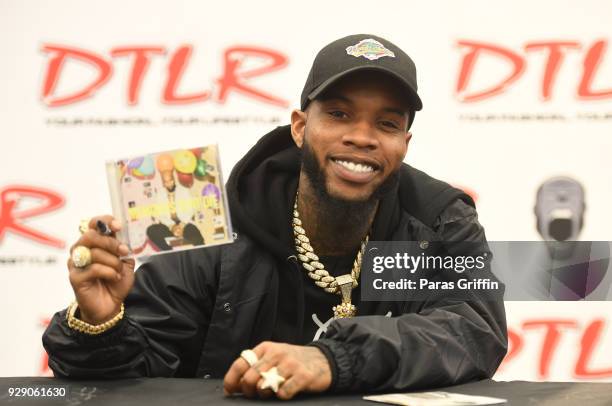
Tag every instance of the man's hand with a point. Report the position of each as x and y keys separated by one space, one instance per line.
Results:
x=305 y=369
x=100 y=287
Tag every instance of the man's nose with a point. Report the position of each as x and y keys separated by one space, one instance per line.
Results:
x=362 y=135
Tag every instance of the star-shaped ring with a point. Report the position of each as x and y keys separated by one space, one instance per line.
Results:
x=272 y=379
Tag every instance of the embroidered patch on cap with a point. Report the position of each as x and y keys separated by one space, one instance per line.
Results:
x=370 y=49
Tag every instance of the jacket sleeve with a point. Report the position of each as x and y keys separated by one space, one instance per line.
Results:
x=439 y=342
x=166 y=315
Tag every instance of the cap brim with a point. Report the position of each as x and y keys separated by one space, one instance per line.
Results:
x=412 y=96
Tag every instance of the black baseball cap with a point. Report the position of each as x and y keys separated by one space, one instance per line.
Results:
x=357 y=53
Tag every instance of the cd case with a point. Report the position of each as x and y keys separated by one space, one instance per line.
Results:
x=170 y=201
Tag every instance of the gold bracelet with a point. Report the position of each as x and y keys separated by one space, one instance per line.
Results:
x=83 y=327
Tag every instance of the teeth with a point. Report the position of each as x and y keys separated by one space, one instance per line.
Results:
x=355 y=167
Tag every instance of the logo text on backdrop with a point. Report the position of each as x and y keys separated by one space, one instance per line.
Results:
x=234 y=78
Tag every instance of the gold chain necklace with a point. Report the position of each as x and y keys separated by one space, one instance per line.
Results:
x=341 y=285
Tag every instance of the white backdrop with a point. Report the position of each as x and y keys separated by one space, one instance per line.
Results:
x=500 y=147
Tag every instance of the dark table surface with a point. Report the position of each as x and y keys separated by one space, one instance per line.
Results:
x=165 y=391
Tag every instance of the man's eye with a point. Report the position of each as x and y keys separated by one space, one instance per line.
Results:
x=338 y=114
x=390 y=124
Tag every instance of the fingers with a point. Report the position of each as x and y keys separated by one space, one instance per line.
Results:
x=103 y=265
x=264 y=347
x=250 y=380
x=105 y=257
x=99 y=256
x=248 y=383
x=93 y=239
x=128 y=265
x=295 y=381
x=94 y=271
x=266 y=393
x=263 y=393
x=231 y=381
x=291 y=387
x=109 y=220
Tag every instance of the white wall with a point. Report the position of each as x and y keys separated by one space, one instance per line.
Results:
x=502 y=161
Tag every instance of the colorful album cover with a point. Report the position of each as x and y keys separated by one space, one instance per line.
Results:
x=170 y=201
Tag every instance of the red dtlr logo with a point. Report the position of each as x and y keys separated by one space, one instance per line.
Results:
x=234 y=78
x=11 y=217
x=555 y=51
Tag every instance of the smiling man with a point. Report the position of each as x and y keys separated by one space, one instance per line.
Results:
x=277 y=312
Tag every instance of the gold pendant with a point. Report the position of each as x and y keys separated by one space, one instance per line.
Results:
x=345 y=309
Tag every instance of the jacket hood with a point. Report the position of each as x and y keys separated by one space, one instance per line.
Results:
x=261 y=191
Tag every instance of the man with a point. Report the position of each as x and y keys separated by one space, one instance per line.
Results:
x=304 y=202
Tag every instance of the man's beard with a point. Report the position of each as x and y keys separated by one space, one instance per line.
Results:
x=337 y=210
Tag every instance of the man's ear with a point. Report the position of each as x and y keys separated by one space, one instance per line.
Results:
x=298 y=126
x=408 y=137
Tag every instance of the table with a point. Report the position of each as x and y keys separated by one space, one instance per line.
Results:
x=169 y=391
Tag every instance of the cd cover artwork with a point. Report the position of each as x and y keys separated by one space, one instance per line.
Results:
x=170 y=201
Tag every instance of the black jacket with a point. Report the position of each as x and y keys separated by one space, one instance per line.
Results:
x=190 y=313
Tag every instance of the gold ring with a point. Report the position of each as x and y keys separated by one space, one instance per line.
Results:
x=81 y=256
x=250 y=357
x=83 y=226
